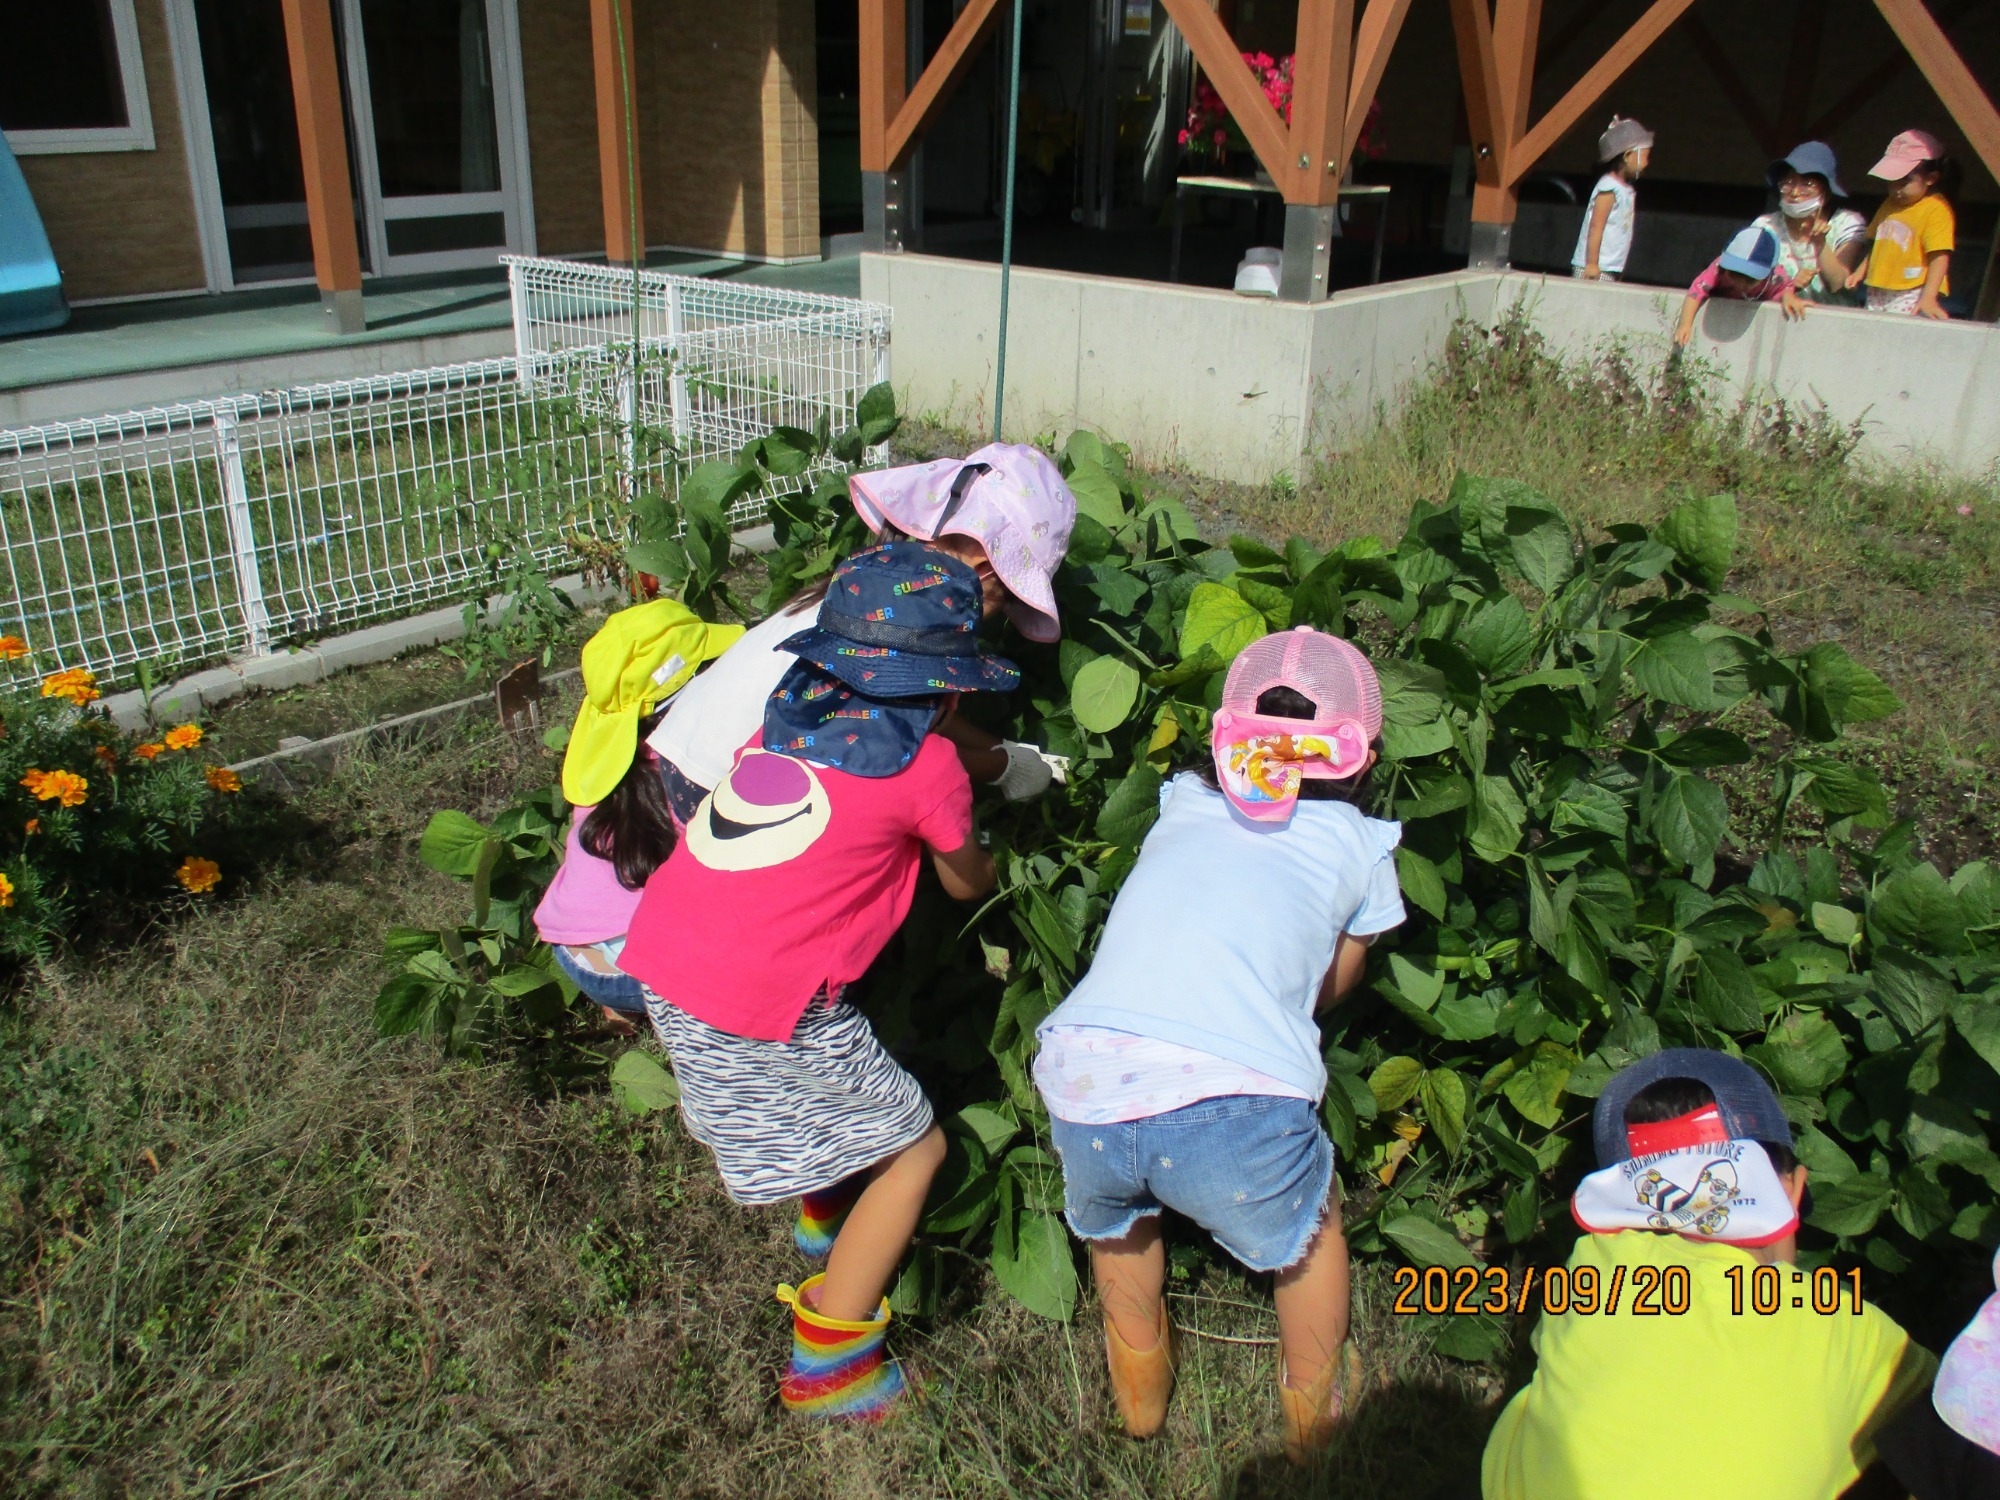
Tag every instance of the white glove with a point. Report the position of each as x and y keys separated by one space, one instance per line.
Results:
x=1029 y=771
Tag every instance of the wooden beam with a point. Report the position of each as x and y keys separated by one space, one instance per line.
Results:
x=323 y=154
x=1517 y=26
x=1801 y=70
x=1381 y=24
x=943 y=74
x=884 y=71
x=1587 y=90
x=1938 y=61
x=615 y=63
x=1849 y=104
x=1479 y=77
x=1320 y=78
x=1215 y=50
x=1734 y=89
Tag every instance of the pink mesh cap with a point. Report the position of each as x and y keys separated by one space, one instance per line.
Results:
x=1324 y=668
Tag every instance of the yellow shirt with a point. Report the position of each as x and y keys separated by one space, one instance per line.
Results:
x=1904 y=238
x=1726 y=1406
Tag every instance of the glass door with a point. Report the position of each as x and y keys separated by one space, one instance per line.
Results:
x=431 y=132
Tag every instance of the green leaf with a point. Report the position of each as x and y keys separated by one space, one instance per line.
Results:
x=1702 y=533
x=1852 y=693
x=406 y=1003
x=1421 y=881
x=1411 y=694
x=1978 y=1021
x=452 y=843
x=1038 y=1270
x=1920 y=907
x=1706 y=747
x=1445 y=1100
x=663 y=557
x=1803 y=1052
x=1536 y=1089
x=1421 y=987
x=1395 y=1082
x=875 y=413
x=1851 y=1206
x=788 y=451
x=1690 y=817
x=1542 y=547
x=1131 y=808
x=1836 y=924
x=1724 y=991
x=1097 y=495
x=1103 y=695
x=1497 y=819
x=992 y=1126
x=1674 y=668
x=1425 y=1243
x=1219 y=618
x=641 y=1086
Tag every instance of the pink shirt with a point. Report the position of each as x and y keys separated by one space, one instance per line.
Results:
x=1770 y=289
x=584 y=903
x=790 y=879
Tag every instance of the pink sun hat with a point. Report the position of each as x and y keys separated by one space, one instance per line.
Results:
x=1906 y=153
x=1008 y=497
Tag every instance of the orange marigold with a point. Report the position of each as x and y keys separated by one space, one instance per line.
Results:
x=12 y=648
x=106 y=754
x=182 y=737
x=147 y=752
x=6 y=891
x=78 y=684
x=30 y=828
x=222 y=779
x=198 y=875
x=65 y=787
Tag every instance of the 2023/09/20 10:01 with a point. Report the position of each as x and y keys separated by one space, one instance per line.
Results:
x=1650 y=1291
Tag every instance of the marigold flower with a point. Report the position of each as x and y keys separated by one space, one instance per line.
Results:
x=77 y=684
x=12 y=648
x=147 y=752
x=198 y=875
x=65 y=787
x=106 y=754
x=30 y=828
x=222 y=779
x=183 y=737
x=6 y=891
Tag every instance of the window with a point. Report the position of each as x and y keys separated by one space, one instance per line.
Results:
x=71 y=78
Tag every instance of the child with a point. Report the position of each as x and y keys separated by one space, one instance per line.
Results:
x=790 y=878
x=1697 y=1189
x=1913 y=232
x=1624 y=151
x=1818 y=245
x=1184 y=1071
x=1004 y=512
x=1748 y=269
x=1948 y=1448
x=620 y=827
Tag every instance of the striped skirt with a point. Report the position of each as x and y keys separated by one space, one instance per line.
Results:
x=786 y=1118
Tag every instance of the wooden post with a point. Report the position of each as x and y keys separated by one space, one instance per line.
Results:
x=1381 y=24
x=1486 y=125
x=615 y=63
x=942 y=75
x=1938 y=61
x=1321 y=69
x=1209 y=40
x=323 y=156
x=884 y=88
x=1589 y=89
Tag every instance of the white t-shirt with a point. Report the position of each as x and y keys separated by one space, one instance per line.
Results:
x=1617 y=242
x=1801 y=262
x=714 y=714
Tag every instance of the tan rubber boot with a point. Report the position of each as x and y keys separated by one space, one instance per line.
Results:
x=1314 y=1415
x=1142 y=1380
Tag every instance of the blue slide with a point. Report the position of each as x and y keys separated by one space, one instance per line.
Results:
x=31 y=296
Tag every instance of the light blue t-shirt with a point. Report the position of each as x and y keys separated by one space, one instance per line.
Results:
x=1221 y=935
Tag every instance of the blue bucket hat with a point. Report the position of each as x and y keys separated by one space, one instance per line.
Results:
x=1750 y=1111
x=817 y=717
x=902 y=621
x=1751 y=252
x=1809 y=159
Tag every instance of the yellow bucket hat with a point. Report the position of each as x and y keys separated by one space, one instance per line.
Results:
x=641 y=657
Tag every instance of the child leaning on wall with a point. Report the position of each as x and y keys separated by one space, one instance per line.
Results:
x=1914 y=231
x=1697 y=1193
x=1748 y=270
x=1185 y=1070
x=1605 y=243
x=790 y=878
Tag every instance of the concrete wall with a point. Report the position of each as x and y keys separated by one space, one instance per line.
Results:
x=1243 y=388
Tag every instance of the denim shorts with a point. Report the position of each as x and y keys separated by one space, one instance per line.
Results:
x=1253 y=1170
x=619 y=991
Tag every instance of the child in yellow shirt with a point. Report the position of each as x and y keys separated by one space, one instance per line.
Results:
x=1914 y=231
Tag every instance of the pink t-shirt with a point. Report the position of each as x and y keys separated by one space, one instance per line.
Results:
x=584 y=903
x=1770 y=289
x=790 y=879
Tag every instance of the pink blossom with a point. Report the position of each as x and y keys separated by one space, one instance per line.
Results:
x=1183 y=137
x=1965 y=510
x=1221 y=136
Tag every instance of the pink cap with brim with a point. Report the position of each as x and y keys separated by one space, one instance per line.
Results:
x=1260 y=760
x=1014 y=504
x=1967 y=1391
x=1906 y=153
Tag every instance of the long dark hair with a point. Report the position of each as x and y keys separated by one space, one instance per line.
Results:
x=633 y=827
x=1290 y=703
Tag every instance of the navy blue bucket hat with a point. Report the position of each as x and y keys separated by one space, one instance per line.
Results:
x=1809 y=159
x=902 y=621
x=817 y=717
x=1750 y=1111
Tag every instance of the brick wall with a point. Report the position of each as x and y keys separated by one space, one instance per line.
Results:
x=560 y=90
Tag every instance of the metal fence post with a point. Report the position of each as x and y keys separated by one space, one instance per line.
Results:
x=628 y=426
x=677 y=386
x=242 y=534
x=524 y=345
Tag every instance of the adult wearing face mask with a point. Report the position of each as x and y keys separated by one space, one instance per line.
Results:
x=1818 y=245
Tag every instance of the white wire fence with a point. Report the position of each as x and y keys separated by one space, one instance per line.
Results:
x=186 y=534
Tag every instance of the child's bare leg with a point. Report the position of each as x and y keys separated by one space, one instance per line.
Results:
x=878 y=1231
x=1131 y=1275
x=1312 y=1300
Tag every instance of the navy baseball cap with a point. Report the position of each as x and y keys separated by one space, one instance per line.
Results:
x=901 y=620
x=1809 y=159
x=1749 y=1110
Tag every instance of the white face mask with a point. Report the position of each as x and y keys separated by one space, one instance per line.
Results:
x=1800 y=208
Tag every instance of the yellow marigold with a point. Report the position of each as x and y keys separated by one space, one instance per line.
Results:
x=6 y=891
x=197 y=875
x=222 y=779
x=65 y=787
x=182 y=737
x=147 y=752
x=12 y=648
x=78 y=684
